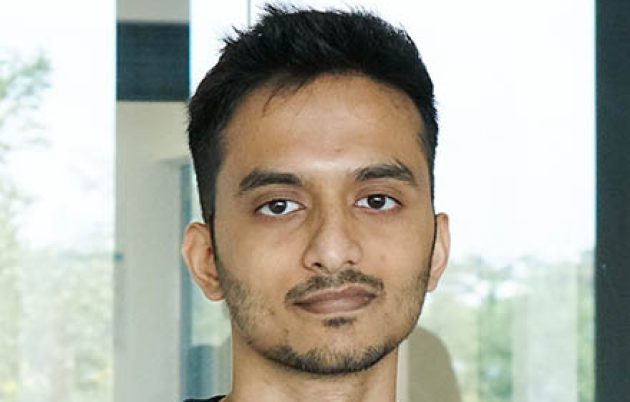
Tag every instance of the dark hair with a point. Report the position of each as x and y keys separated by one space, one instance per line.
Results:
x=291 y=47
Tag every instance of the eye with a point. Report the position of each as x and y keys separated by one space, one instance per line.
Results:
x=278 y=207
x=378 y=202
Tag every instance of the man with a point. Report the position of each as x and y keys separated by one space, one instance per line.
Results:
x=313 y=140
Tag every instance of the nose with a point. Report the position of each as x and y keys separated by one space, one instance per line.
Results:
x=333 y=244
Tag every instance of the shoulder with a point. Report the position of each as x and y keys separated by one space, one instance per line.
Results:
x=213 y=399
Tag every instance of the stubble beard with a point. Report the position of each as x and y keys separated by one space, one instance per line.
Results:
x=322 y=360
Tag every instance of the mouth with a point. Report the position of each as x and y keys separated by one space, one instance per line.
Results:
x=332 y=301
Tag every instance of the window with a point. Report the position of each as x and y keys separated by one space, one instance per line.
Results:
x=56 y=201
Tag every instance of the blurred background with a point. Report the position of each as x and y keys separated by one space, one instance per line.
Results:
x=96 y=187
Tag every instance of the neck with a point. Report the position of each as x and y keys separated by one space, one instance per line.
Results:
x=255 y=378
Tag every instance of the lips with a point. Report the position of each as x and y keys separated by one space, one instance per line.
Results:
x=332 y=301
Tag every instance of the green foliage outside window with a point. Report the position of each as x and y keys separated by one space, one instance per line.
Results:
x=55 y=306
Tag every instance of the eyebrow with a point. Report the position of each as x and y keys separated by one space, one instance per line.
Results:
x=396 y=171
x=259 y=178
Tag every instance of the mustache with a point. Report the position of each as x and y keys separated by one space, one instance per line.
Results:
x=345 y=277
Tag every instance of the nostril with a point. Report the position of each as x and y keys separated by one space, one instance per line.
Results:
x=320 y=267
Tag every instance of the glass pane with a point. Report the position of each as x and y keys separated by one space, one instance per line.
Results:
x=207 y=348
x=56 y=200
x=515 y=172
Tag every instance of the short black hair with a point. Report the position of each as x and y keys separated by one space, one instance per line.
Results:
x=291 y=47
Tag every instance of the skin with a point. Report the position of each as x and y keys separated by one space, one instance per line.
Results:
x=324 y=186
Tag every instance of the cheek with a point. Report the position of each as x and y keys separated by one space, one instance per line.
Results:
x=403 y=245
x=401 y=258
x=268 y=262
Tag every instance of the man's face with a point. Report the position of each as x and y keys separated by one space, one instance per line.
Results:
x=324 y=228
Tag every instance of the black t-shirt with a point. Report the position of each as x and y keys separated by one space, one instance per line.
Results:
x=214 y=399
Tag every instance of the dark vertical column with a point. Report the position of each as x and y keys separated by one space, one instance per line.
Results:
x=613 y=201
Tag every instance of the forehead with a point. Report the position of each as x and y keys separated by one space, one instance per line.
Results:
x=335 y=120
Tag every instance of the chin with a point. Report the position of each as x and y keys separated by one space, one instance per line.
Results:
x=340 y=356
x=326 y=362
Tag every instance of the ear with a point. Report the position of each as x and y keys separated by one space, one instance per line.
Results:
x=199 y=257
x=441 y=250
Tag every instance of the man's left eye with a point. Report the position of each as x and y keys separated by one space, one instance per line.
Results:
x=378 y=202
